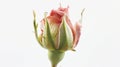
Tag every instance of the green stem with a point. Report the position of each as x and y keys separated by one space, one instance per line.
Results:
x=55 y=57
x=54 y=65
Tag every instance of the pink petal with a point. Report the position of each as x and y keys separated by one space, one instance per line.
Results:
x=77 y=33
x=65 y=10
x=54 y=19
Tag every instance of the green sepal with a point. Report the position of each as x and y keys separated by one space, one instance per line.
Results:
x=35 y=29
x=66 y=37
x=48 y=41
x=69 y=36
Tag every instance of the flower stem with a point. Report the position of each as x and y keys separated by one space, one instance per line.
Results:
x=54 y=65
x=55 y=57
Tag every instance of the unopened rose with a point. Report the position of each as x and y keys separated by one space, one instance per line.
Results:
x=58 y=34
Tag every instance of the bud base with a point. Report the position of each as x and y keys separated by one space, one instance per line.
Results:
x=55 y=57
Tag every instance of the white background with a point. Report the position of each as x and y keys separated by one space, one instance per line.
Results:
x=99 y=45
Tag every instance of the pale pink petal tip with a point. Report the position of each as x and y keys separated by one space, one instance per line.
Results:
x=77 y=33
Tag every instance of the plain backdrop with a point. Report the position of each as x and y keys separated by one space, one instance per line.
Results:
x=99 y=45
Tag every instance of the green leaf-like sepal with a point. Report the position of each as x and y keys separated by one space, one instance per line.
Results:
x=48 y=41
x=66 y=37
x=35 y=29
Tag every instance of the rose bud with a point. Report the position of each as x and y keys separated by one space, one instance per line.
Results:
x=57 y=34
